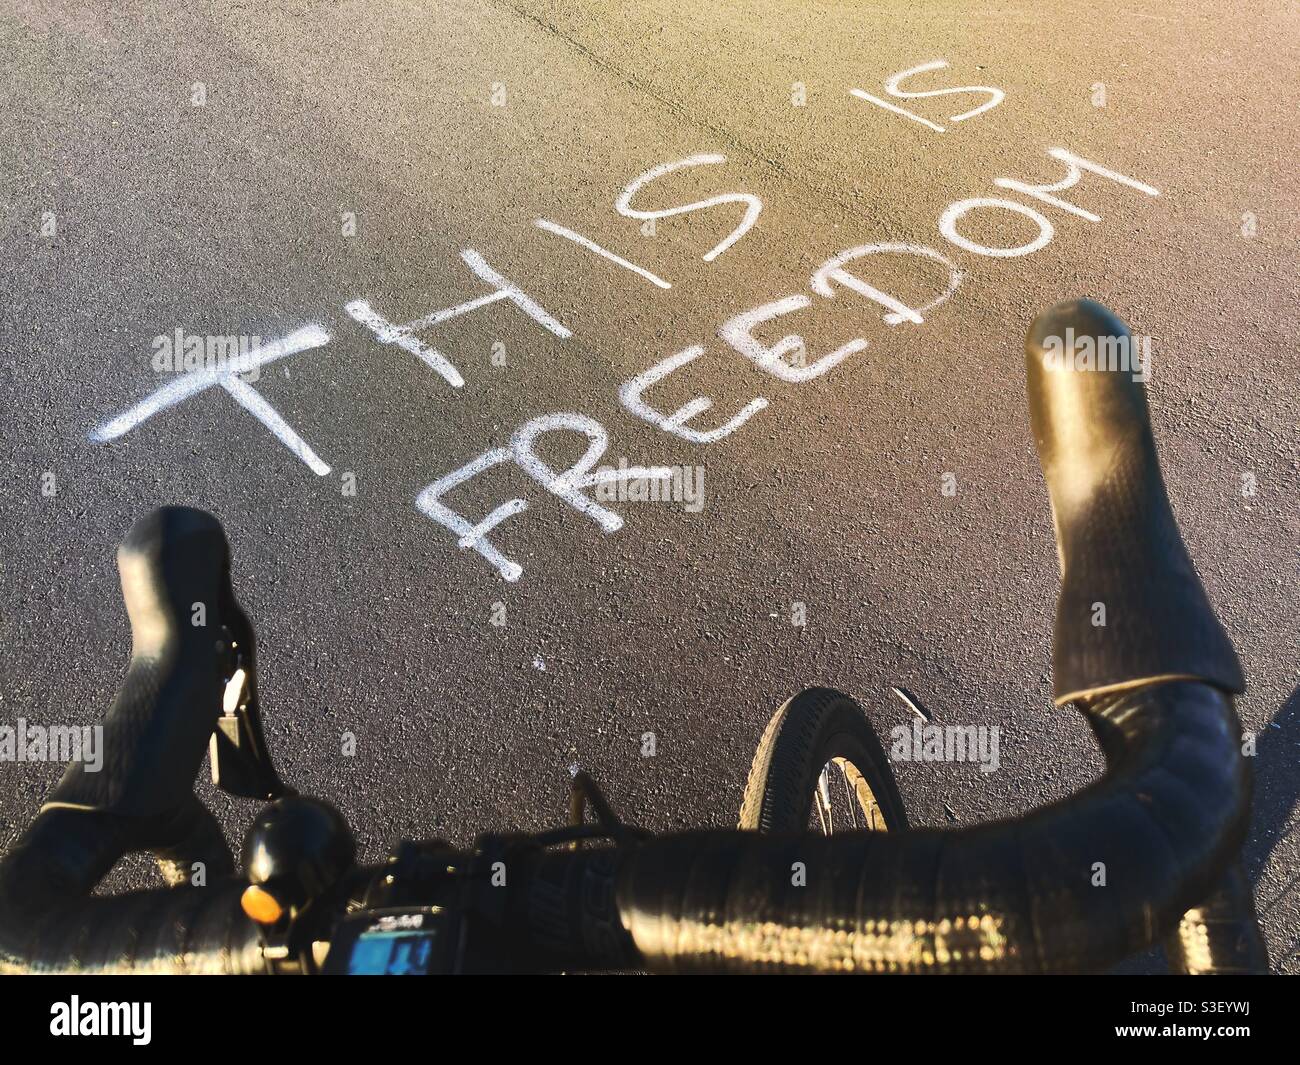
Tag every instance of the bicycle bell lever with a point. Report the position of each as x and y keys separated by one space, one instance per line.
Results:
x=241 y=763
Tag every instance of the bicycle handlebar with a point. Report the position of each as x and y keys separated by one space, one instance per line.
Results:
x=1021 y=896
x=1075 y=886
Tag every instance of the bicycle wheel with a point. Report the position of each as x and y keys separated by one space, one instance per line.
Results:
x=819 y=766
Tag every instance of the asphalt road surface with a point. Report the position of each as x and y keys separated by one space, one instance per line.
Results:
x=250 y=170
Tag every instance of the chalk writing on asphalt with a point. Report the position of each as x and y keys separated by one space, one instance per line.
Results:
x=846 y=273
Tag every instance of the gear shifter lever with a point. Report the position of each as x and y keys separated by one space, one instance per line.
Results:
x=241 y=764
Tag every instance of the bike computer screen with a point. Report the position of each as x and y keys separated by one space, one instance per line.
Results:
x=390 y=943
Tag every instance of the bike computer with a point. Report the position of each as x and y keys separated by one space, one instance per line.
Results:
x=398 y=942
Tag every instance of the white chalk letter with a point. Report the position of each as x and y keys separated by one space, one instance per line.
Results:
x=240 y=390
x=391 y=334
x=948 y=227
x=631 y=392
x=753 y=205
x=586 y=242
x=503 y=290
x=996 y=96
x=429 y=502
x=1075 y=166
x=567 y=485
x=833 y=271
x=738 y=332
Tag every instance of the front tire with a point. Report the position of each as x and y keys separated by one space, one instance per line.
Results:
x=820 y=766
